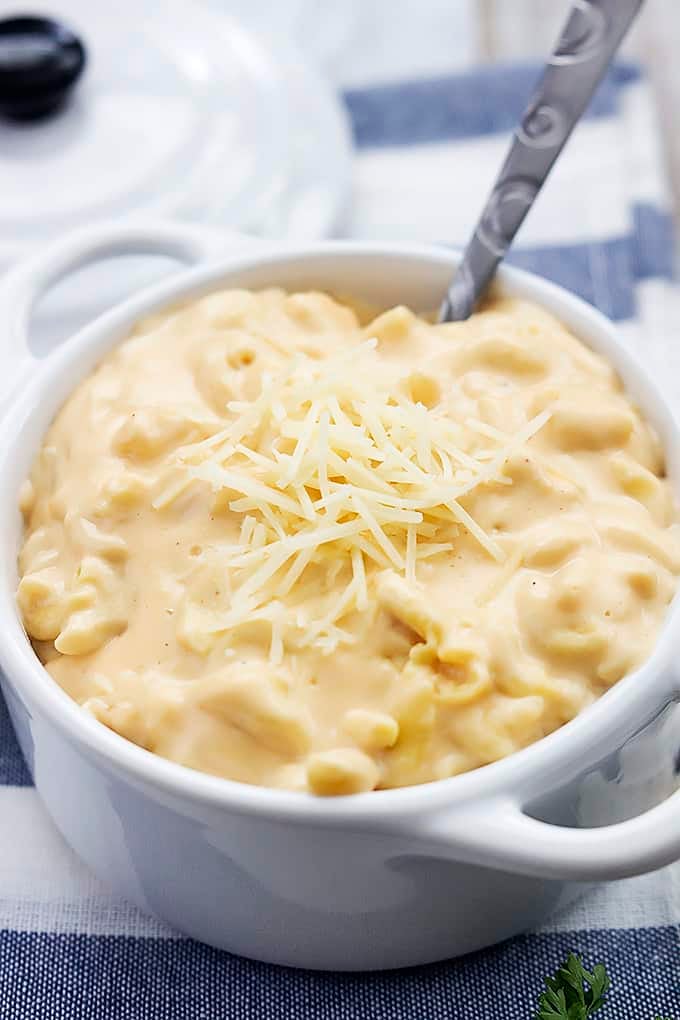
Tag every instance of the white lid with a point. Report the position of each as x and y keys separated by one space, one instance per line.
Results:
x=322 y=30
x=180 y=112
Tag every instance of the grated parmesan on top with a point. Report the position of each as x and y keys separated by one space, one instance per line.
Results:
x=333 y=461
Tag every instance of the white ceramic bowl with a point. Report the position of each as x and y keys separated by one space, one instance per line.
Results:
x=383 y=879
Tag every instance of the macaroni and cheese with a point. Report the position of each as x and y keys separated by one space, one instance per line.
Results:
x=278 y=544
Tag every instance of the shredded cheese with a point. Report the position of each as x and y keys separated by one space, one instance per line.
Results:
x=334 y=467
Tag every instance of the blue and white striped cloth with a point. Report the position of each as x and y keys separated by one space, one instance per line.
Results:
x=427 y=151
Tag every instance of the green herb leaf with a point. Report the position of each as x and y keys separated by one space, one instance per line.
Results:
x=573 y=993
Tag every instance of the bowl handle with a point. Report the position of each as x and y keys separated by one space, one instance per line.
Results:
x=498 y=833
x=24 y=283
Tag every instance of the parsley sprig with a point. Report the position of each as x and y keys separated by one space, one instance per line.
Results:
x=574 y=993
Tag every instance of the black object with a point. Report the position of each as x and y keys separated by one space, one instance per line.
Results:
x=40 y=62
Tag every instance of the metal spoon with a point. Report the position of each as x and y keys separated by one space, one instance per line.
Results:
x=589 y=40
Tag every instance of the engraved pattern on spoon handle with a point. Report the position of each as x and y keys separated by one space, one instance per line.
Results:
x=589 y=40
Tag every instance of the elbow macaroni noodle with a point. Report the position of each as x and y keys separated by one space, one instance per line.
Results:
x=274 y=543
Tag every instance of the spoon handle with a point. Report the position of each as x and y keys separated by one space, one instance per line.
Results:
x=581 y=56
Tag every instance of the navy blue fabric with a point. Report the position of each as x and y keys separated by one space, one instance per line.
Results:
x=81 y=977
x=654 y=253
x=601 y=272
x=605 y=272
x=13 y=771
x=458 y=106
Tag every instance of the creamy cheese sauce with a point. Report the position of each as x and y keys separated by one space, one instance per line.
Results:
x=274 y=543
